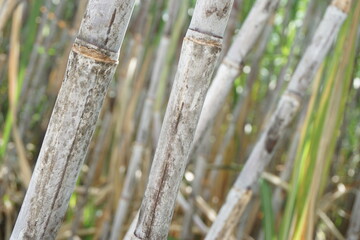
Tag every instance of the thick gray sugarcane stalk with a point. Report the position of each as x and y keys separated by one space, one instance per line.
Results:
x=144 y=128
x=91 y=66
x=200 y=51
x=184 y=205
x=287 y=108
x=231 y=65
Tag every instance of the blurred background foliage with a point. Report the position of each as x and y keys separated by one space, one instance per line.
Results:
x=316 y=196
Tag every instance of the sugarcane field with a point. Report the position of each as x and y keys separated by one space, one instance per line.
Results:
x=179 y=119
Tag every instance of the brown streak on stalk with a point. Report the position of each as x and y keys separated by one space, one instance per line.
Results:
x=220 y=13
x=110 y=25
x=163 y=178
x=179 y=117
x=161 y=185
x=272 y=135
x=93 y=54
x=64 y=171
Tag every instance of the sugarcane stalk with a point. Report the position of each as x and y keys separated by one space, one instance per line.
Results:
x=285 y=112
x=143 y=130
x=242 y=101
x=200 y=51
x=91 y=66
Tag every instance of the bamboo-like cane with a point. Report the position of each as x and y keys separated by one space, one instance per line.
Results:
x=286 y=110
x=200 y=51
x=91 y=66
x=25 y=169
x=143 y=130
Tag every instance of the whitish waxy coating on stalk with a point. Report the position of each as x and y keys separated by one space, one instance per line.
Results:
x=143 y=128
x=285 y=112
x=104 y=21
x=90 y=68
x=199 y=53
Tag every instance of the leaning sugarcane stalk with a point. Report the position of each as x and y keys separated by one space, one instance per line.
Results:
x=91 y=66
x=143 y=129
x=353 y=231
x=287 y=108
x=181 y=201
x=201 y=165
x=200 y=50
x=231 y=66
x=242 y=101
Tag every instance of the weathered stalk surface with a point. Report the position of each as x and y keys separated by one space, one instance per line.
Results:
x=287 y=108
x=231 y=65
x=92 y=63
x=143 y=129
x=200 y=50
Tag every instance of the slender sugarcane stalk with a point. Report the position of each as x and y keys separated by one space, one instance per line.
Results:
x=242 y=101
x=231 y=66
x=200 y=166
x=286 y=110
x=200 y=50
x=143 y=129
x=91 y=66
x=25 y=169
x=353 y=231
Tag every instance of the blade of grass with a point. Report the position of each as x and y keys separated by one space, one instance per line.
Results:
x=268 y=221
